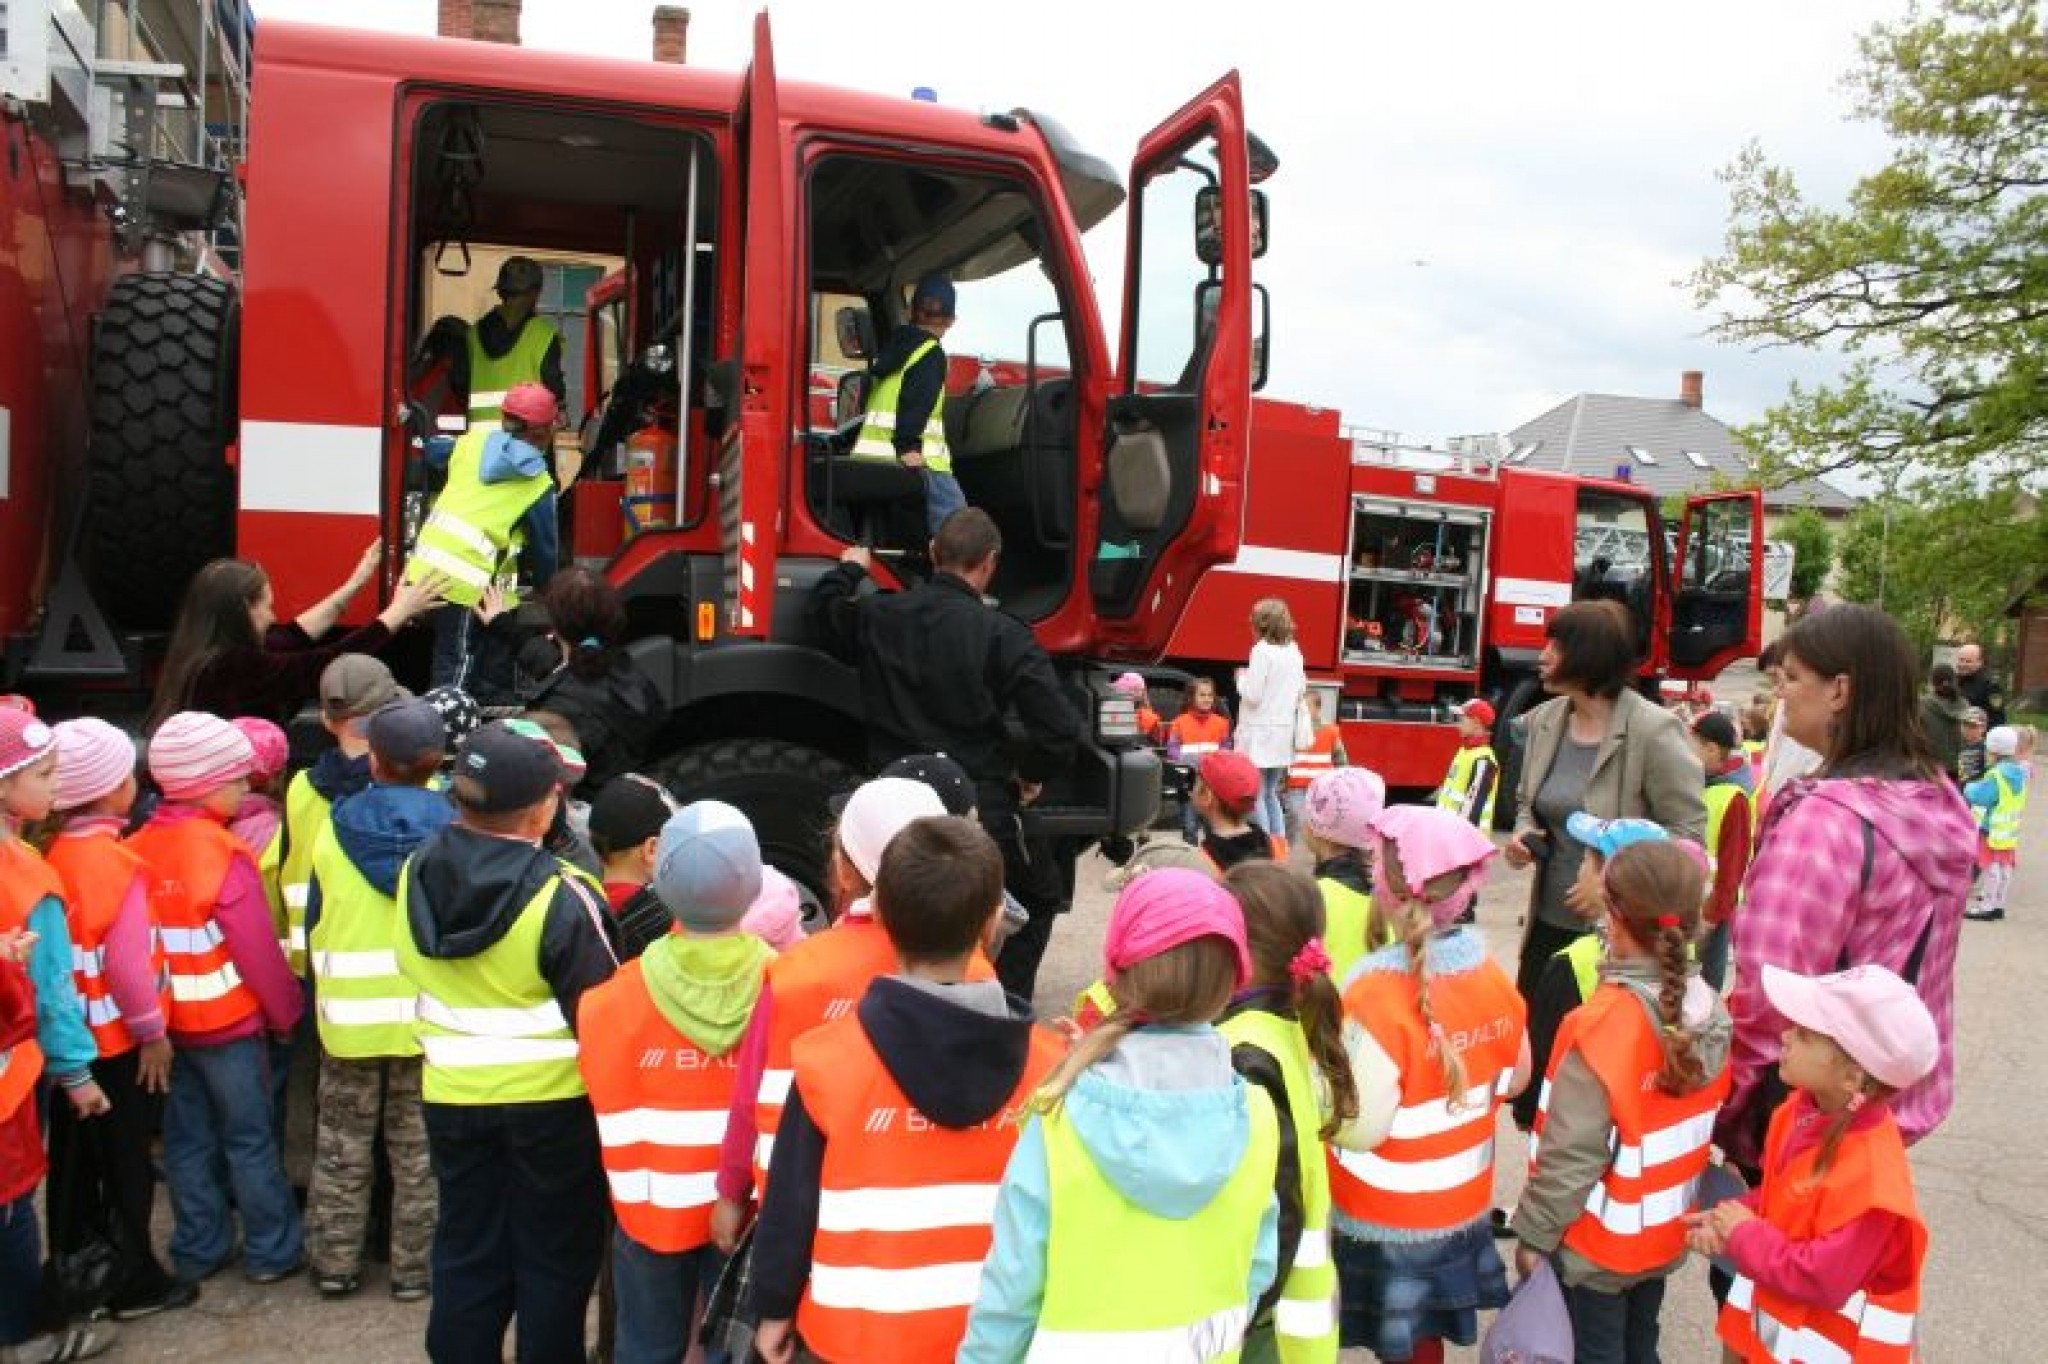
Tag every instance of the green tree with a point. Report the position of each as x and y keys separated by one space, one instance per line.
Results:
x=1932 y=279
x=1943 y=567
x=1813 y=551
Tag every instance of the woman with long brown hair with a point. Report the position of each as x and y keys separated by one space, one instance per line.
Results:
x=228 y=656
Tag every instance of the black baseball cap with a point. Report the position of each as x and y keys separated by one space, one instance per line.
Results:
x=945 y=776
x=629 y=810
x=500 y=769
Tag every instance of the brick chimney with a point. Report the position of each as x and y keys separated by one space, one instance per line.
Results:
x=671 y=33
x=455 y=20
x=1692 y=388
x=497 y=21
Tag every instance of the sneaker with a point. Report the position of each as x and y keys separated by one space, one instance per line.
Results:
x=1984 y=916
x=261 y=1277
x=85 y=1340
x=173 y=1295
x=404 y=1290
x=336 y=1285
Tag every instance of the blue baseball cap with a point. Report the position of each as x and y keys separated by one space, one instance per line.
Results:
x=707 y=866
x=938 y=289
x=1609 y=836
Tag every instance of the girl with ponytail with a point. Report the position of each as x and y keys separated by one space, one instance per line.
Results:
x=1285 y=1034
x=1634 y=1083
x=1435 y=1037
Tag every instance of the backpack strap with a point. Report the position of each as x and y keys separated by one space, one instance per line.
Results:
x=1911 y=972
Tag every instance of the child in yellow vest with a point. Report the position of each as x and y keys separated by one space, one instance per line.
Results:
x=1337 y=818
x=1436 y=1038
x=1828 y=1251
x=1625 y=1126
x=1137 y=1218
x=1473 y=780
x=1286 y=1037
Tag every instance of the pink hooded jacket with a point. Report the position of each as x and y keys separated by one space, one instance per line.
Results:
x=1812 y=906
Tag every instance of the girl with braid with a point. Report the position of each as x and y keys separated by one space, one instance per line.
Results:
x=1434 y=1032
x=1636 y=1076
x=1285 y=1037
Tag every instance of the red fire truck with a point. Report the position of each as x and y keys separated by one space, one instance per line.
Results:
x=754 y=224
x=1421 y=578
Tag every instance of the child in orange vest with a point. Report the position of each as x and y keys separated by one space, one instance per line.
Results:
x=1193 y=735
x=1828 y=1251
x=901 y=1120
x=1133 y=686
x=1437 y=1040
x=1625 y=1125
x=1145 y=1130
x=230 y=986
x=118 y=960
x=658 y=1041
x=1226 y=790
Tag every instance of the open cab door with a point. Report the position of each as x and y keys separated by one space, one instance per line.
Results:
x=1171 y=500
x=1717 y=605
x=754 y=453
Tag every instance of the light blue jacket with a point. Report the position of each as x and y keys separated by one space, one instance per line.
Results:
x=61 y=1031
x=1983 y=792
x=1166 y=1120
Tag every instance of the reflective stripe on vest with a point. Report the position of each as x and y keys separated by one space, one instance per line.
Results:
x=1305 y=1315
x=1348 y=919
x=1458 y=783
x=1660 y=1143
x=473 y=535
x=1178 y=1290
x=21 y=1065
x=188 y=859
x=1309 y=763
x=2002 y=830
x=877 y=438
x=1434 y=1171
x=1869 y=1173
x=661 y=1104
x=288 y=865
x=363 y=1003
x=488 y=1025
x=906 y=1208
x=492 y=377
x=98 y=872
x=25 y=882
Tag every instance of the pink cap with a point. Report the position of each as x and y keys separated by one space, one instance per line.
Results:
x=1429 y=842
x=777 y=915
x=193 y=753
x=533 y=404
x=1130 y=684
x=1169 y=906
x=24 y=740
x=93 y=759
x=1868 y=1012
x=876 y=813
x=1342 y=803
x=267 y=742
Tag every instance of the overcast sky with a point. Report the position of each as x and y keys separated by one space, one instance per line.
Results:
x=1482 y=209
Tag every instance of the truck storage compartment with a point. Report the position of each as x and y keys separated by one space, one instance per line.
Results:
x=1417 y=583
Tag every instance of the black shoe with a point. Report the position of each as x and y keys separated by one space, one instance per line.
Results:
x=336 y=1285
x=169 y=1297
x=1984 y=916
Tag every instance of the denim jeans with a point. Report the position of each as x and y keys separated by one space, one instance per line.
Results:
x=219 y=1113
x=1270 y=813
x=942 y=497
x=659 y=1297
x=467 y=654
x=521 y=1230
x=1616 y=1328
x=21 y=1268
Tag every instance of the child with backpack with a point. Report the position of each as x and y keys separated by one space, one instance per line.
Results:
x=1625 y=1126
x=1828 y=1250
x=1337 y=817
x=1436 y=1037
x=1285 y=1032
x=1137 y=1218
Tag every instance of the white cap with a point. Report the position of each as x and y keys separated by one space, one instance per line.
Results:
x=2002 y=742
x=876 y=813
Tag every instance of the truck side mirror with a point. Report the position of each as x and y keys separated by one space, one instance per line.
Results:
x=1209 y=224
x=854 y=331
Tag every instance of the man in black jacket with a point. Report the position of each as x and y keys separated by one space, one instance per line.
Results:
x=939 y=670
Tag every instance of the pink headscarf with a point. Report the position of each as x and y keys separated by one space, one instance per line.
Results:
x=1163 y=909
x=776 y=916
x=1429 y=842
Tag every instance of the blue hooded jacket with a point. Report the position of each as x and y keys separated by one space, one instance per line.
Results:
x=378 y=828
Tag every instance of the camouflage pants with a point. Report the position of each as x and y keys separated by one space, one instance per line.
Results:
x=356 y=1097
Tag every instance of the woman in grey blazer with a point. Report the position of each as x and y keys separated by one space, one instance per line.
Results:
x=1601 y=747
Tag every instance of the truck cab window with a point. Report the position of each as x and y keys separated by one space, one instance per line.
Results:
x=1615 y=555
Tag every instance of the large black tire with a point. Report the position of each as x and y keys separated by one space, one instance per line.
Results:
x=164 y=360
x=782 y=787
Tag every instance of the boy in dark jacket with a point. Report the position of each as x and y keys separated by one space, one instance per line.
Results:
x=369 y=1059
x=501 y=940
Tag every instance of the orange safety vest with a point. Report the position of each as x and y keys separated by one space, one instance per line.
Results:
x=906 y=1208
x=188 y=860
x=1199 y=735
x=1869 y=1172
x=1659 y=1144
x=661 y=1106
x=98 y=871
x=25 y=882
x=819 y=980
x=1311 y=762
x=1434 y=1171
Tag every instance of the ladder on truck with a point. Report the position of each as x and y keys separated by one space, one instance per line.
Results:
x=1373 y=445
